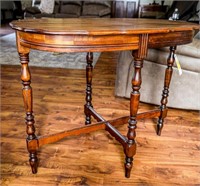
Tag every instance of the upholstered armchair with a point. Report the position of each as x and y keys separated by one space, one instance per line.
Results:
x=184 y=91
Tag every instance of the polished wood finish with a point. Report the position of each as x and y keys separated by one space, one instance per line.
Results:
x=95 y=159
x=28 y=104
x=71 y=35
x=102 y=124
x=130 y=148
x=85 y=35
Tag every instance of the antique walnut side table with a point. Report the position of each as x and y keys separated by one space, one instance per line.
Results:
x=91 y=35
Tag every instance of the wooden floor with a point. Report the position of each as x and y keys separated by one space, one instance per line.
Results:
x=96 y=158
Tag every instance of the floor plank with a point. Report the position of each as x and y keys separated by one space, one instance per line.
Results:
x=96 y=158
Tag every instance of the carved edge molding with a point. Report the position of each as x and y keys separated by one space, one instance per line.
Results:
x=141 y=53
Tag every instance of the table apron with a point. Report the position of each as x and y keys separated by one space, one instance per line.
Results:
x=170 y=39
x=78 y=43
x=84 y=43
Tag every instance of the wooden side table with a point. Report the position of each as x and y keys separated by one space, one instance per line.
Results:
x=91 y=35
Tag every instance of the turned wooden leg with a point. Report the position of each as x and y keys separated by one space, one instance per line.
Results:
x=165 y=93
x=88 y=98
x=27 y=97
x=130 y=148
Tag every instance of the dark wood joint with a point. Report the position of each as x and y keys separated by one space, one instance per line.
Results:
x=163 y=113
x=32 y=144
x=141 y=53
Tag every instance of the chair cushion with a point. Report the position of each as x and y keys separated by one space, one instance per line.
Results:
x=184 y=86
x=187 y=63
x=25 y=4
x=105 y=3
x=47 y=6
x=33 y=10
x=190 y=50
x=56 y=7
x=60 y=15
x=43 y=15
x=70 y=9
x=71 y=2
x=95 y=10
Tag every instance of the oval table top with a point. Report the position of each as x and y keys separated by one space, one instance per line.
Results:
x=100 y=34
x=100 y=26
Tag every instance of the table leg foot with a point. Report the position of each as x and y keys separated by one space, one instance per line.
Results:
x=159 y=127
x=128 y=166
x=130 y=150
x=33 y=162
x=87 y=120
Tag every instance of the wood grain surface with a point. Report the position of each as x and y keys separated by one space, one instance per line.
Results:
x=99 y=34
x=97 y=158
x=100 y=26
